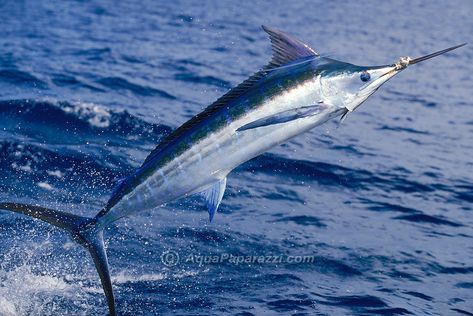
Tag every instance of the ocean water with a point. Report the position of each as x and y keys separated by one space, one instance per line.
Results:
x=371 y=216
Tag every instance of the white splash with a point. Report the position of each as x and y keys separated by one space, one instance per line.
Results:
x=25 y=168
x=55 y=173
x=122 y=277
x=95 y=115
x=25 y=292
x=45 y=185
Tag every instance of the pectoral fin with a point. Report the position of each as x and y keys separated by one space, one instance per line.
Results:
x=213 y=196
x=283 y=117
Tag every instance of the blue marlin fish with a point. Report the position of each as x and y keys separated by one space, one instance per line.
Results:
x=297 y=91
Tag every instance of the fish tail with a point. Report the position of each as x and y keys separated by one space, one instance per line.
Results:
x=85 y=231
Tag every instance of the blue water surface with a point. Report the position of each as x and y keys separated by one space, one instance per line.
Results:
x=373 y=216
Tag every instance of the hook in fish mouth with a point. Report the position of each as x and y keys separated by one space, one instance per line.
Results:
x=406 y=61
x=402 y=63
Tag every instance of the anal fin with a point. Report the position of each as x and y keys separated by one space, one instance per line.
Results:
x=344 y=116
x=213 y=196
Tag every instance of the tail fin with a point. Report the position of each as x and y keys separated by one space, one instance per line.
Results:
x=83 y=230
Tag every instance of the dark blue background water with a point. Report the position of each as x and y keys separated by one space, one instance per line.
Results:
x=382 y=204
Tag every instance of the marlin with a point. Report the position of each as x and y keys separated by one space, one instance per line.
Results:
x=296 y=91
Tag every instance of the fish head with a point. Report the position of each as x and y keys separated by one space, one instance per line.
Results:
x=347 y=85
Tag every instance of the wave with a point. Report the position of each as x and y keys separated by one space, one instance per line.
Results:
x=79 y=117
x=424 y=218
x=287 y=305
x=341 y=177
x=332 y=174
x=117 y=83
x=411 y=214
x=208 y=80
x=21 y=78
x=303 y=220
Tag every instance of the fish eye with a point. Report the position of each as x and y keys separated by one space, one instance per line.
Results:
x=365 y=76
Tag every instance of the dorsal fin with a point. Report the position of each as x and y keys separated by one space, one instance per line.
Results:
x=285 y=50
